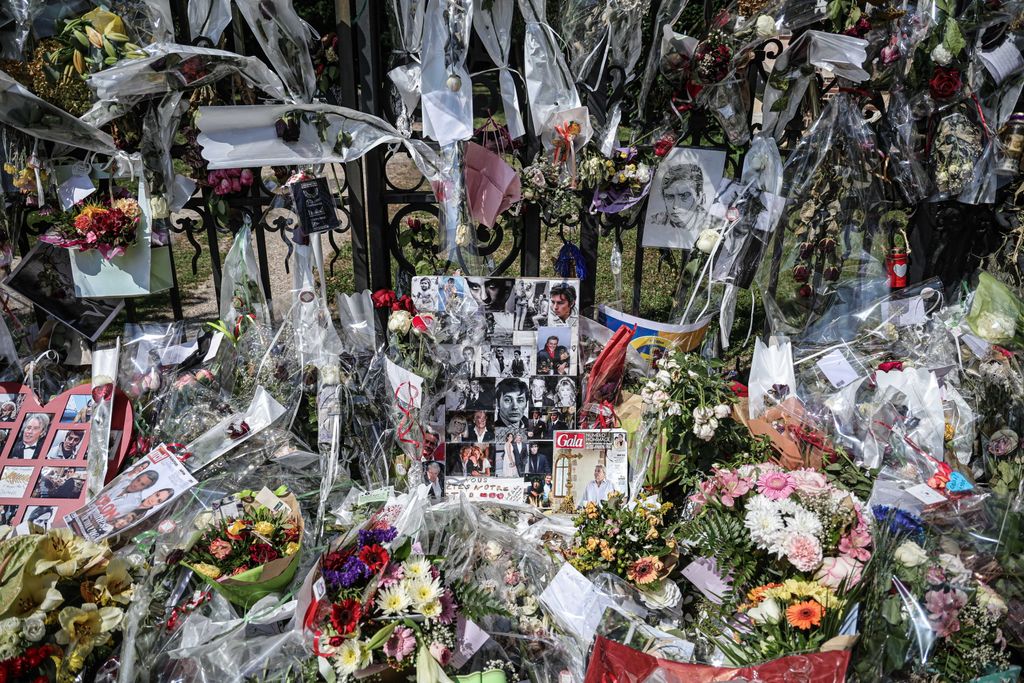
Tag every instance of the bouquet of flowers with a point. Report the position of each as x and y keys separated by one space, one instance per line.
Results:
x=790 y=521
x=61 y=606
x=382 y=609
x=619 y=182
x=109 y=227
x=763 y=524
x=90 y=43
x=691 y=404
x=248 y=547
x=635 y=542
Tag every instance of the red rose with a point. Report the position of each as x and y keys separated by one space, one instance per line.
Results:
x=374 y=557
x=345 y=616
x=335 y=560
x=945 y=83
x=102 y=392
x=891 y=365
x=739 y=389
x=261 y=553
x=404 y=304
x=664 y=145
x=383 y=298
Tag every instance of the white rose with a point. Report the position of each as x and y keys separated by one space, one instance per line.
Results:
x=659 y=398
x=330 y=375
x=707 y=240
x=910 y=554
x=664 y=377
x=400 y=322
x=765 y=26
x=667 y=595
x=941 y=56
x=674 y=409
x=33 y=628
x=158 y=208
x=723 y=411
x=991 y=601
x=767 y=612
x=462 y=235
x=492 y=550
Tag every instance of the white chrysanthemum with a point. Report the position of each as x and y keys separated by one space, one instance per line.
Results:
x=416 y=569
x=423 y=591
x=664 y=377
x=431 y=610
x=761 y=503
x=393 y=600
x=804 y=522
x=941 y=56
x=764 y=527
x=348 y=658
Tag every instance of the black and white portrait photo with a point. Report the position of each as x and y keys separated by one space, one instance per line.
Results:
x=681 y=197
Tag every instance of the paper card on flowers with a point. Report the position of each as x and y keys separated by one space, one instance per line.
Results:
x=701 y=574
x=405 y=386
x=575 y=603
x=486 y=489
x=491 y=184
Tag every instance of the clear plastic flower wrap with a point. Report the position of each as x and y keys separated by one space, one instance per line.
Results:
x=182 y=630
x=828 y=252
x=285 y=39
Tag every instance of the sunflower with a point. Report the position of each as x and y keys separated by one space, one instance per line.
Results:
x=804 y=615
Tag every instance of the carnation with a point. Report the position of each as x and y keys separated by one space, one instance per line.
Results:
x=803 y=552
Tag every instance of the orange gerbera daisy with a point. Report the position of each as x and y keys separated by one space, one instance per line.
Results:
x=756 y=595
x=645 y=570
x=804 y=615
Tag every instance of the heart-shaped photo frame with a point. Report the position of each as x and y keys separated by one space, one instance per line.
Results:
x=44 y=451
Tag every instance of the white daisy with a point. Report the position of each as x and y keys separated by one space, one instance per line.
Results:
x=393 y=600
x=423 y=591
x=416 y=568
x=431 y=609
x=349 y=657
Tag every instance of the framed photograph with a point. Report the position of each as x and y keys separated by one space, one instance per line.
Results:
x=78 y=409
x=14 y=481
x=9 y=404
x=28 y=445
x=44 y=516
x=7 y=513
x=556 y=351
x=682 y=194
x=43 y=277
x=563 y=310
x=69 y=444
x=60 y=482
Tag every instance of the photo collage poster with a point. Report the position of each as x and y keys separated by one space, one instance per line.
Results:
x=512 y=347
x=44 y=451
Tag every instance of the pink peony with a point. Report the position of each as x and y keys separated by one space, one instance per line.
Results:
x=803 y=552
x=220 y=548
x=441 y=653
x=776 y=485
x=834 y=570
x=400 y=644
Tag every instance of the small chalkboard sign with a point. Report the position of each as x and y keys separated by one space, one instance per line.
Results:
x=315 y=206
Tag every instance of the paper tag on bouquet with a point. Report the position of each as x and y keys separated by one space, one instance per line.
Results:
x=469 y=638
x=267 y=499
x=837 y=369
x=74 y=189
x=319 y=589
x=926 y=494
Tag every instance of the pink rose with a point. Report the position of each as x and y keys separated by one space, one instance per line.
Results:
x=809 y=481
x=834 y=570
x=441 y=653
x=246 y=177
x=220 y=548
x=236 y=185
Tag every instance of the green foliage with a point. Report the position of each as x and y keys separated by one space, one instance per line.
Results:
x=475 y=602
x=721 y=535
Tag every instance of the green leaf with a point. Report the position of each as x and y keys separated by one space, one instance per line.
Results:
x=14 y=555
x=953 y=40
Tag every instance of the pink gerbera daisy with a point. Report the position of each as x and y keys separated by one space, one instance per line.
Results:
x=776 y=485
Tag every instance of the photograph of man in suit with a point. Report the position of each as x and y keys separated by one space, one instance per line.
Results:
x=31 y=438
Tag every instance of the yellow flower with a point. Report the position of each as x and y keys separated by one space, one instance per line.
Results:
x=116 y=585
x=608 y=554
x=264 y=528
x=68 y=554
x=291 y=548
x=591 y=544
x=76 y=661
x=651 y=534
x=10 y=169
x=236 y=527
x=128 y=206
x=87 y=627
x=105 y=22
x=38 y=594
x=207 y=570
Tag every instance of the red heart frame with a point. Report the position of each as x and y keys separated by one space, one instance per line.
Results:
x=66 y=413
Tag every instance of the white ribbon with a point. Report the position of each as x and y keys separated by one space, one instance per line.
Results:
x=494 y=26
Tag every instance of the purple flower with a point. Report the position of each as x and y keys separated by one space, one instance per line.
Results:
x=351 y=571
x=447 y=601
x=377 y=536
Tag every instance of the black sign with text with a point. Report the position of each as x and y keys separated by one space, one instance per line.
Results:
x=315 y=206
